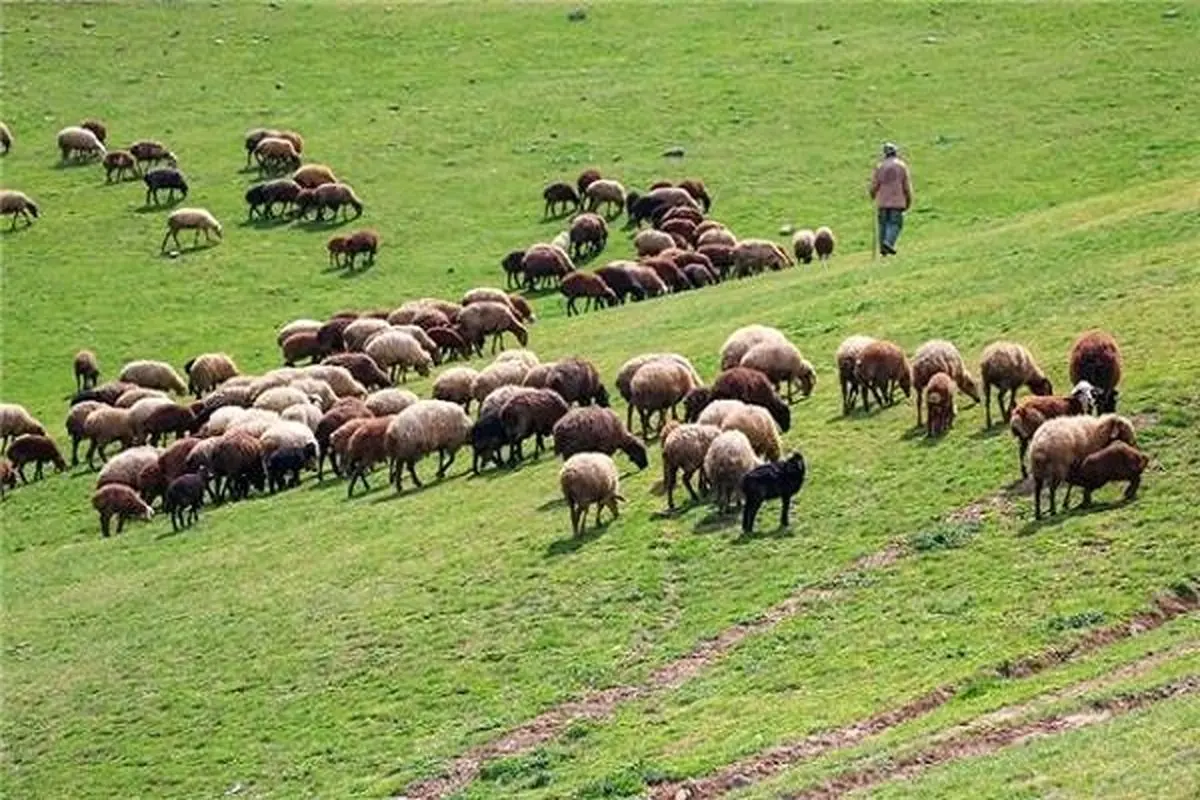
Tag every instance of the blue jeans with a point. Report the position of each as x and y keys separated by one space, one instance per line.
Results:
x=891 y=220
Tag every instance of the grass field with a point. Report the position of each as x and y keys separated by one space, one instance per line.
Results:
x=303 y=645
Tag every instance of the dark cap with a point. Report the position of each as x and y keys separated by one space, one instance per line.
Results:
x=889 y=149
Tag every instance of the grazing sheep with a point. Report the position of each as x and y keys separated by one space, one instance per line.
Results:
x=692 y=215
x=126 y=466
x=715 y=412
x=339 y=379
x=184 y=498
x=167 y=178
x=651 y=242
x=493 y=376
x=119 y=162
x=782 y=363
x=804 y=245
x=846 y=358
x=1063 y=441
x=199 y=459
x=297 y=326
x=6 y=139
x=823 y=243
x=495 y=402
x=18 y=204
x=657 y=387
x=624 y=379
x=16 y=421
x=719 y=236
x=74 y=425
x=284 y=465
x=595 y=429
x=647 y=280
x=256 y=135
x=729 y=458
x=454 y=386
x=1096 y=358
x=577 y=381
x=751 y=386
x=172 y=462
x=426 y=427
x=120 y=502
x=104 y=426
x=356 y=334
x=340 y=439
x=698 y=191
x=237 y=465
x=538 y=375
x=559 y=194
x=97 y=127
x=760 y=429
x=940 y=411
x=78 y=143
x=137 y=393
x=302 y=345
x=362 y=367
x=450 y=344
x=939 y=355
x=221 y=420
x=37 y=450
x=304 y=413
x=655 y=203
x=782 y=479
x=681 y=230
x=752 y=256
x=170 y=418
x=545 y=262
x=331 y=422
x=8 y=476
x=153 y=375
x=480 y=320
x=1116 y=462
x=361 y=242
x=275 y=154
x=310 y=176
x=194 y=219
x=283 y=434
x=699 y=275
x=586 y=179
x=741 y=340
x=606 y=193
x=1032 y=411
x=588 y=235
x=719 y=255
x=670 y=275
x=514 y=270
x=399 y=351
x=277 y=398
x=147 y=151
x=387 y=402
x=881 y=368
x=207 y=371
x=106 y=393
x=532 y=413
x=519 y=306
x=1008 y=366
x=588 y=286
x=683 y=450
x=589 y=479
x=140 y=412
x=619 y=282
x=426 y=318
x=332 y=196
x=262 y=197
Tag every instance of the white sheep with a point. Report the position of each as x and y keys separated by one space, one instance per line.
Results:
x=191 y=219
x=683 y=451
x=16 y=421
x=727 y=461
x=427 y=426
x=454 y=386
x=153 y=375
x=586 y=480
x=287 y=434
x=220 y=420
x=255 y=422
x=398 y=352
x=782 y=363
x=305 y=413
x=76 y=142
x=742 y=339
x=1063 y=441
x=386 y=402
x=126 y=466
x=493 y=376
x=657 y=387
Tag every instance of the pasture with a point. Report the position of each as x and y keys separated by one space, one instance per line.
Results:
x=304 y=645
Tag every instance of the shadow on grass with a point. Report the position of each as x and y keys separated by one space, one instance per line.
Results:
x=1051 y=522
x=192 y=248
x=562 y=547
x=8 y=230
x=716 y=521
x=265 y=223
x=779 y=532
x=997 y=429
x=321 y=225
x=76 y=163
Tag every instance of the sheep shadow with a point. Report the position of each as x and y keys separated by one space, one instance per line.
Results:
x=997 y=429
x=320 y=225
x=550 y=505
x=1035 y=526
x=715 y=521
x=191 y=248
x=265 y=223
x=107 y=184
x=355 y=272
x=915 y=432
x=757 y=534
x=562 y=547
x=6 y=230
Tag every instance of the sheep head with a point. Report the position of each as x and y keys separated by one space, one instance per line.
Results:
x=969 y=387
x=1118 y=428
x=1041 y=386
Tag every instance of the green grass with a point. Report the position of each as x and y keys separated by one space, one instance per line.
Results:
x=305 y=645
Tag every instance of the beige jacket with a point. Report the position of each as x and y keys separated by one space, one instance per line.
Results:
x=890 y=187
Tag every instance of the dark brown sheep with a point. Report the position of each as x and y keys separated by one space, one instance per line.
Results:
x=719 y=255
x=1116 y=462
x=647 y=280
x=514 y=268
x=522 y=308
x=751 y=386
x=586 y=179
x=543 y=263
x=118 y=500
x=119 y=162
x=577 y=381
x=147 y=151
x=178 y=420
x=698 y=192
x=699 y=275
x=262 y=197
x=36 y=450
x=362 y=368
x=684 y=228
x=362 y=242
x=367 y=447
x=588 y=235
x=668 y=273
x=342 y=412
x=1096 y=358
x=588 y=286
x=450 y=342
x=881 y=368
x=559 y=194
x=172 y=462
x=337 y=250
x=106 y=393
x=334 y=197
x=692 y=215
x=87 y=370
x=183 y=499
x=97 y=127
x=237 y=461
x=300 y=346
x=429 y=318
x=620 y=282
x=597 y=430
x=329 y=335
x=531 y=414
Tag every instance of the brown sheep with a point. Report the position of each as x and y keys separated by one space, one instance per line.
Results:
x=237 y=461
x=310 y=176
x=1032 y=411
x=361 y=242
x=544 y=262
x=620 y=282
x=751 y=386
x=685 y=229
x=480 y=320
x=577 y=381
x=531 y=414
x=939 y=355
x=337 y=249
x=275 y=154
x=331 y=421
x=178 y=420
x=367 y=447
x=522 y=308
x=1096 y=358
x=559 y=194
x=588 y=286
x=588 y=234
x=692 y=215
x=668 y=273
x=719 y=255
x=118 y=500
x=823 y=243
x=97 y=127
x=37 y=450
x=87 y=370
x=1116 y=462
x=450 y=344
x=148 y=151
x=18 y=204
x=299 y=346
x=599 y=430
x=119 y=162
x=8 y=476
x=585 y=179
x=940 y=413
x=646 y=279
x=332 y=196
x=1008 y=366
x=881 y=368
x=698 y=191
x=362 y=368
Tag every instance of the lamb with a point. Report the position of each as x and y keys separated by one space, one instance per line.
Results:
x=262 y=197
x=283 y=466
x=683 y=450
x=624 y=379
x=651 y=242
x=752 y=256
x=532 y=413
x=77 y=143
x=939 y=355
x=120 y=502
x=398 y=352
x=940 y=412
x=126 y=466
x=479 y=320
x=194 y=219
x=153 y=375
x=454 y=386
x=606 y=193
x=147 y=151
x=1116 y=462
x=545 y=262
x=310 y=176
x=104 y=426
x=16 y=421
x=577 y=381
x=588 y=235
x=729 y=458
x=752 y=387
x=119 y=162
x=760 y=429
x=1096 y=358
x=1062 y=441
x=74 y=424
x=167 y=178
x=169 y=418
x=331 y=196
x=387 y=402
x=559 y=194
x=782 y=479
x=646 y=279
x=881 y=368
x=18 y=204
x=1032 y=411
x=595 y=429
x=207 y=371
x=1008 y=366
x=588 y=286
x=276 y=154
x=656 y=387
x=823 y=243
x=804 y=245
x=364 y=241
x=426 y=427
x=782 y=363
x=173 y=461
x=184 y=498
x=362 y=368
x=284 y=435
x=37 y=450
x=741 y=340
x=589 y=479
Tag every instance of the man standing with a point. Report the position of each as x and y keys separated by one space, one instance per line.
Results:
x=892 y=193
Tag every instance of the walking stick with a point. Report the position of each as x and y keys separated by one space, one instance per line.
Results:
x=874 y=233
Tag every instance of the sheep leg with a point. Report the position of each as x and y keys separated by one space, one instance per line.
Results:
x=105 y=517
x=920 y=392
x=74 y=452
x=687 y=484
x=412 y=471
x=787 y=507
x=574 y=520
x=749 y=512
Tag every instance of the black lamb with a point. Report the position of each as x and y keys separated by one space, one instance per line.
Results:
x=284 y=465
x=487 y=437
x=781 y=479
x=164 y=178
x=183 y=499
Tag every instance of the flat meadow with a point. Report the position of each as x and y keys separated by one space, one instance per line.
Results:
x=304 y=645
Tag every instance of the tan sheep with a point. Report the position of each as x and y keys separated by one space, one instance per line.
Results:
x=120 y=502
x=153 y=375
x=718 y=234
x=939 y=355
x=194 y=219
x=426 y=427
x=338 y=378
x=499 y=397
x=454 y=386
x=207 y=371
x=607 y=193
x=759 y=427
x=717 y=411
x=1061 y=442
x=398 y=352
x=77 y=143
x=278 y=398
x=741 y=340
x=310 y=176
x=881 y=368
x=141 y=411
x=304 y=413
x=387 y=402
x=297 y=326
x=127 y=399
x=586 y=480
x=501 y=373
x=275 y=154
x=782 y=363
x=624 y=379
x=752 y=256
x=727 y=461
x=846 y=358
x=1009 y=366
x=657 y=387
x=16 y=421
x=683 y=450
x=319 y=392
x=18 y=204
x=480 y=320
x=940 y=411
x=104 y=426
x=651 y=242
x=126 y=466
x=356 y=334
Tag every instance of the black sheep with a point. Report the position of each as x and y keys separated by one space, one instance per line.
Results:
x=557 y=194
x=183 y=499
x=487 y=437
x=781 y=479
x=641 y=208
x=284 y=465
x=164 y=178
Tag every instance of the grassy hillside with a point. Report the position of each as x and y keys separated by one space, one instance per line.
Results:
x=304 y=645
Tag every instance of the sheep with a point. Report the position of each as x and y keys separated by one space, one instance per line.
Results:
x=486 y=294
x=6 y=139
x=513 y=268
x=276 y=154
x=559 y=194
x=587 y=231
x=670 y=275
x=416 y=332
x=167 y=178
x=106 y=393
x=719 y=255
x=310 y=176
x=683 y=450
x=619 y=282
x=147 y=151
x=8 y=476
x=126 y=466
x=823 y=243
x=300 y=346
x=1096 y=358
x=284 y=435
x=356 y=334
x=591 y=428
x=760 y=429
x=1062 y=441
x=79 y=143
x=426 y=427
x=719 y=235
x=717 y=411
x=183 y=499
x=545 y=262
x=386 y=402
x=479 y=320
x=488 y=438
x=656 y=202
x=338 y=378
x=1032 y=411
x=237 y=465
x=194 y=219
x=331 y=422
x=363 y=241
x=577 y=381
x=940 y=412
x=939 y=355
x=262 y=197
x=119 y=162
x=256 y=135
x=699 y=275
x=454 y=386
x=646 y=279
x=207 y=371
x=681 y=230
x=407 y=313
x=426 y=318
x=656 y=387
x=698 y=191
x=1008 y=366
x=120 y=502
x=16 y=421
x=220 y=421
x=1115 y=462
x=297 y=326
x=846 y=358
x=74 y=425
x=624 y=379
x=97 y=127
x=18 y=204
x=36 y=449
x=304 y=413
x=782 y=363
x=362 y=367
x=153 y=375
x=283 y=466
x=104 y=426
x=168 y=418
x=881 y=368
x=782 y=479
x=277 y=398
x=398 y=352
x=752 y=256
x=803 y=245
x=586 y=179
x=729 y=458
x=127 y=399
x=651 y=242
x=199 y=459
x=254 y=422
x=586 y=480
x=692 y=215
x=495 y=402
x=741 y=340
x=172 y=462
x=532 y=413
x=607 y=193
x=331 y=196
x=751 y=386
x=140 y=412
x=588 y=286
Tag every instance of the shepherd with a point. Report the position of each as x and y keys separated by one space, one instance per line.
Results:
x=892 y=193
